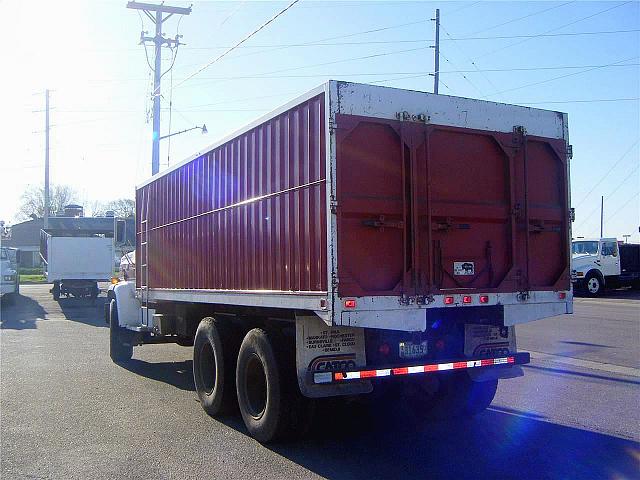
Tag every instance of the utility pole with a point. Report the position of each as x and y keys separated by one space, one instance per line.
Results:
x=436 y=71
x=46 y=160
x=155 y=13
x=601 y=216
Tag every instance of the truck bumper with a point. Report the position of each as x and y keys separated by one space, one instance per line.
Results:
x=519 y=358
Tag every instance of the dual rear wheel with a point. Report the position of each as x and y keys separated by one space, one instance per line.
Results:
x=256 y=373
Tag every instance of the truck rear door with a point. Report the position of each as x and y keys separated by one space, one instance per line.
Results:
x=427 y=209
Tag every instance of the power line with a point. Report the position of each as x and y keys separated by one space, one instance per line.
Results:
x=554 y=29
x=608 y=172
x=363 y=74
x=424 y=74
x=522 y=18
x=462 y=74
x=564 y=76
x=301 y=67
x=470 y=60
x=229 y=50
x=622 y=207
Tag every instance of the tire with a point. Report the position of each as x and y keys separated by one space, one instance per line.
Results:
x=120 y=341
x=95 y=291
x=460 y=396
x=270 y=402
x=214 y=359
x=593 y=285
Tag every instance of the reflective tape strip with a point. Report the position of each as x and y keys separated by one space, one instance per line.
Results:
x=433 y=367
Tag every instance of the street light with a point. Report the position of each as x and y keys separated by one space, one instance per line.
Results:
x=203 y=128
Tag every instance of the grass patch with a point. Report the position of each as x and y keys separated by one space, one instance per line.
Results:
x=31 y=271
x=33 y=279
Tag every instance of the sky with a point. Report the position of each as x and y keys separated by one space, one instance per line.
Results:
x=577 y=57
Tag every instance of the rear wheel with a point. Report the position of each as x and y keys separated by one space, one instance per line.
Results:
x=268 y=396
x=459 y=395
x=120 y=340
x=56 y=291
x=214 y=359
x=593 y=285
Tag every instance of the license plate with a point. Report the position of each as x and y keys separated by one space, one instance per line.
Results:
x=413 y=350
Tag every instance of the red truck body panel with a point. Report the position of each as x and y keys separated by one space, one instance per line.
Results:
x=422 y=197
x=204 y=232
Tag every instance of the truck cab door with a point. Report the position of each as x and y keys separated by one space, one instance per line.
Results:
x=609 y=258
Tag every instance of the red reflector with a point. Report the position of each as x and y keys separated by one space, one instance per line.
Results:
x=349 y=304
x=466 y=299
x=448 y=300
x=338 y=376
x=384 y=349
x=484 y=298
x=400 y=371
x=460 y=365
x=431 y=368
x=368 y=374
x=562 y=295
x=487 y=362
x=511 y=360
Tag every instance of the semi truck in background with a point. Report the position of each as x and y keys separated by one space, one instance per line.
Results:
x=598 y=264
x=76 y=261
x=356 y=238
x=9 y=274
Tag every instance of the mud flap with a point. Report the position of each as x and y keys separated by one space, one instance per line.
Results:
x=321 y=350
x=490 y=341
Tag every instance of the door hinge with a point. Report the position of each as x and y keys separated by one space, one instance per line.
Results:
x=519 y=132
x=408 y=117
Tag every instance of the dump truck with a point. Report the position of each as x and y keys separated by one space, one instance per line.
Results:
x=356 y=238
x=75 y=261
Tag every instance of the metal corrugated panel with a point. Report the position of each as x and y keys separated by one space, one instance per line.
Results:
x=248 y=215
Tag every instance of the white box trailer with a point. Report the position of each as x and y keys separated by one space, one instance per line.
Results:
x=75 y=264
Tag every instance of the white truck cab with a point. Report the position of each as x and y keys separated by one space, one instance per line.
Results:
x=595 y=263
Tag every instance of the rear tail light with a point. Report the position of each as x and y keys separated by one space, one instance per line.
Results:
x=448 y=300
x=562 y=295
x=466 y=299
x=349 y=304
x=484 y=298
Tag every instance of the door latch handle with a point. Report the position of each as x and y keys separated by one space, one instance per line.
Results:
x=382 y=222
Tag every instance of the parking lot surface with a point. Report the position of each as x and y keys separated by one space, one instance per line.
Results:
x=67 y=411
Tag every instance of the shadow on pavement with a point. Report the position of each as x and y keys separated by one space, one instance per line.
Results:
x=364 y=440
x=585 y=344
x=21 y=314
x=350 y=442
x=562 y=371
x=623 y=293
x=84 y=310
x=178 y=374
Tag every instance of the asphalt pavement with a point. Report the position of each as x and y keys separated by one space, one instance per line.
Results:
x=67 y=411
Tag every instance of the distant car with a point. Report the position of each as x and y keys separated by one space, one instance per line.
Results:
x=9 y=278
x=128 y=266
